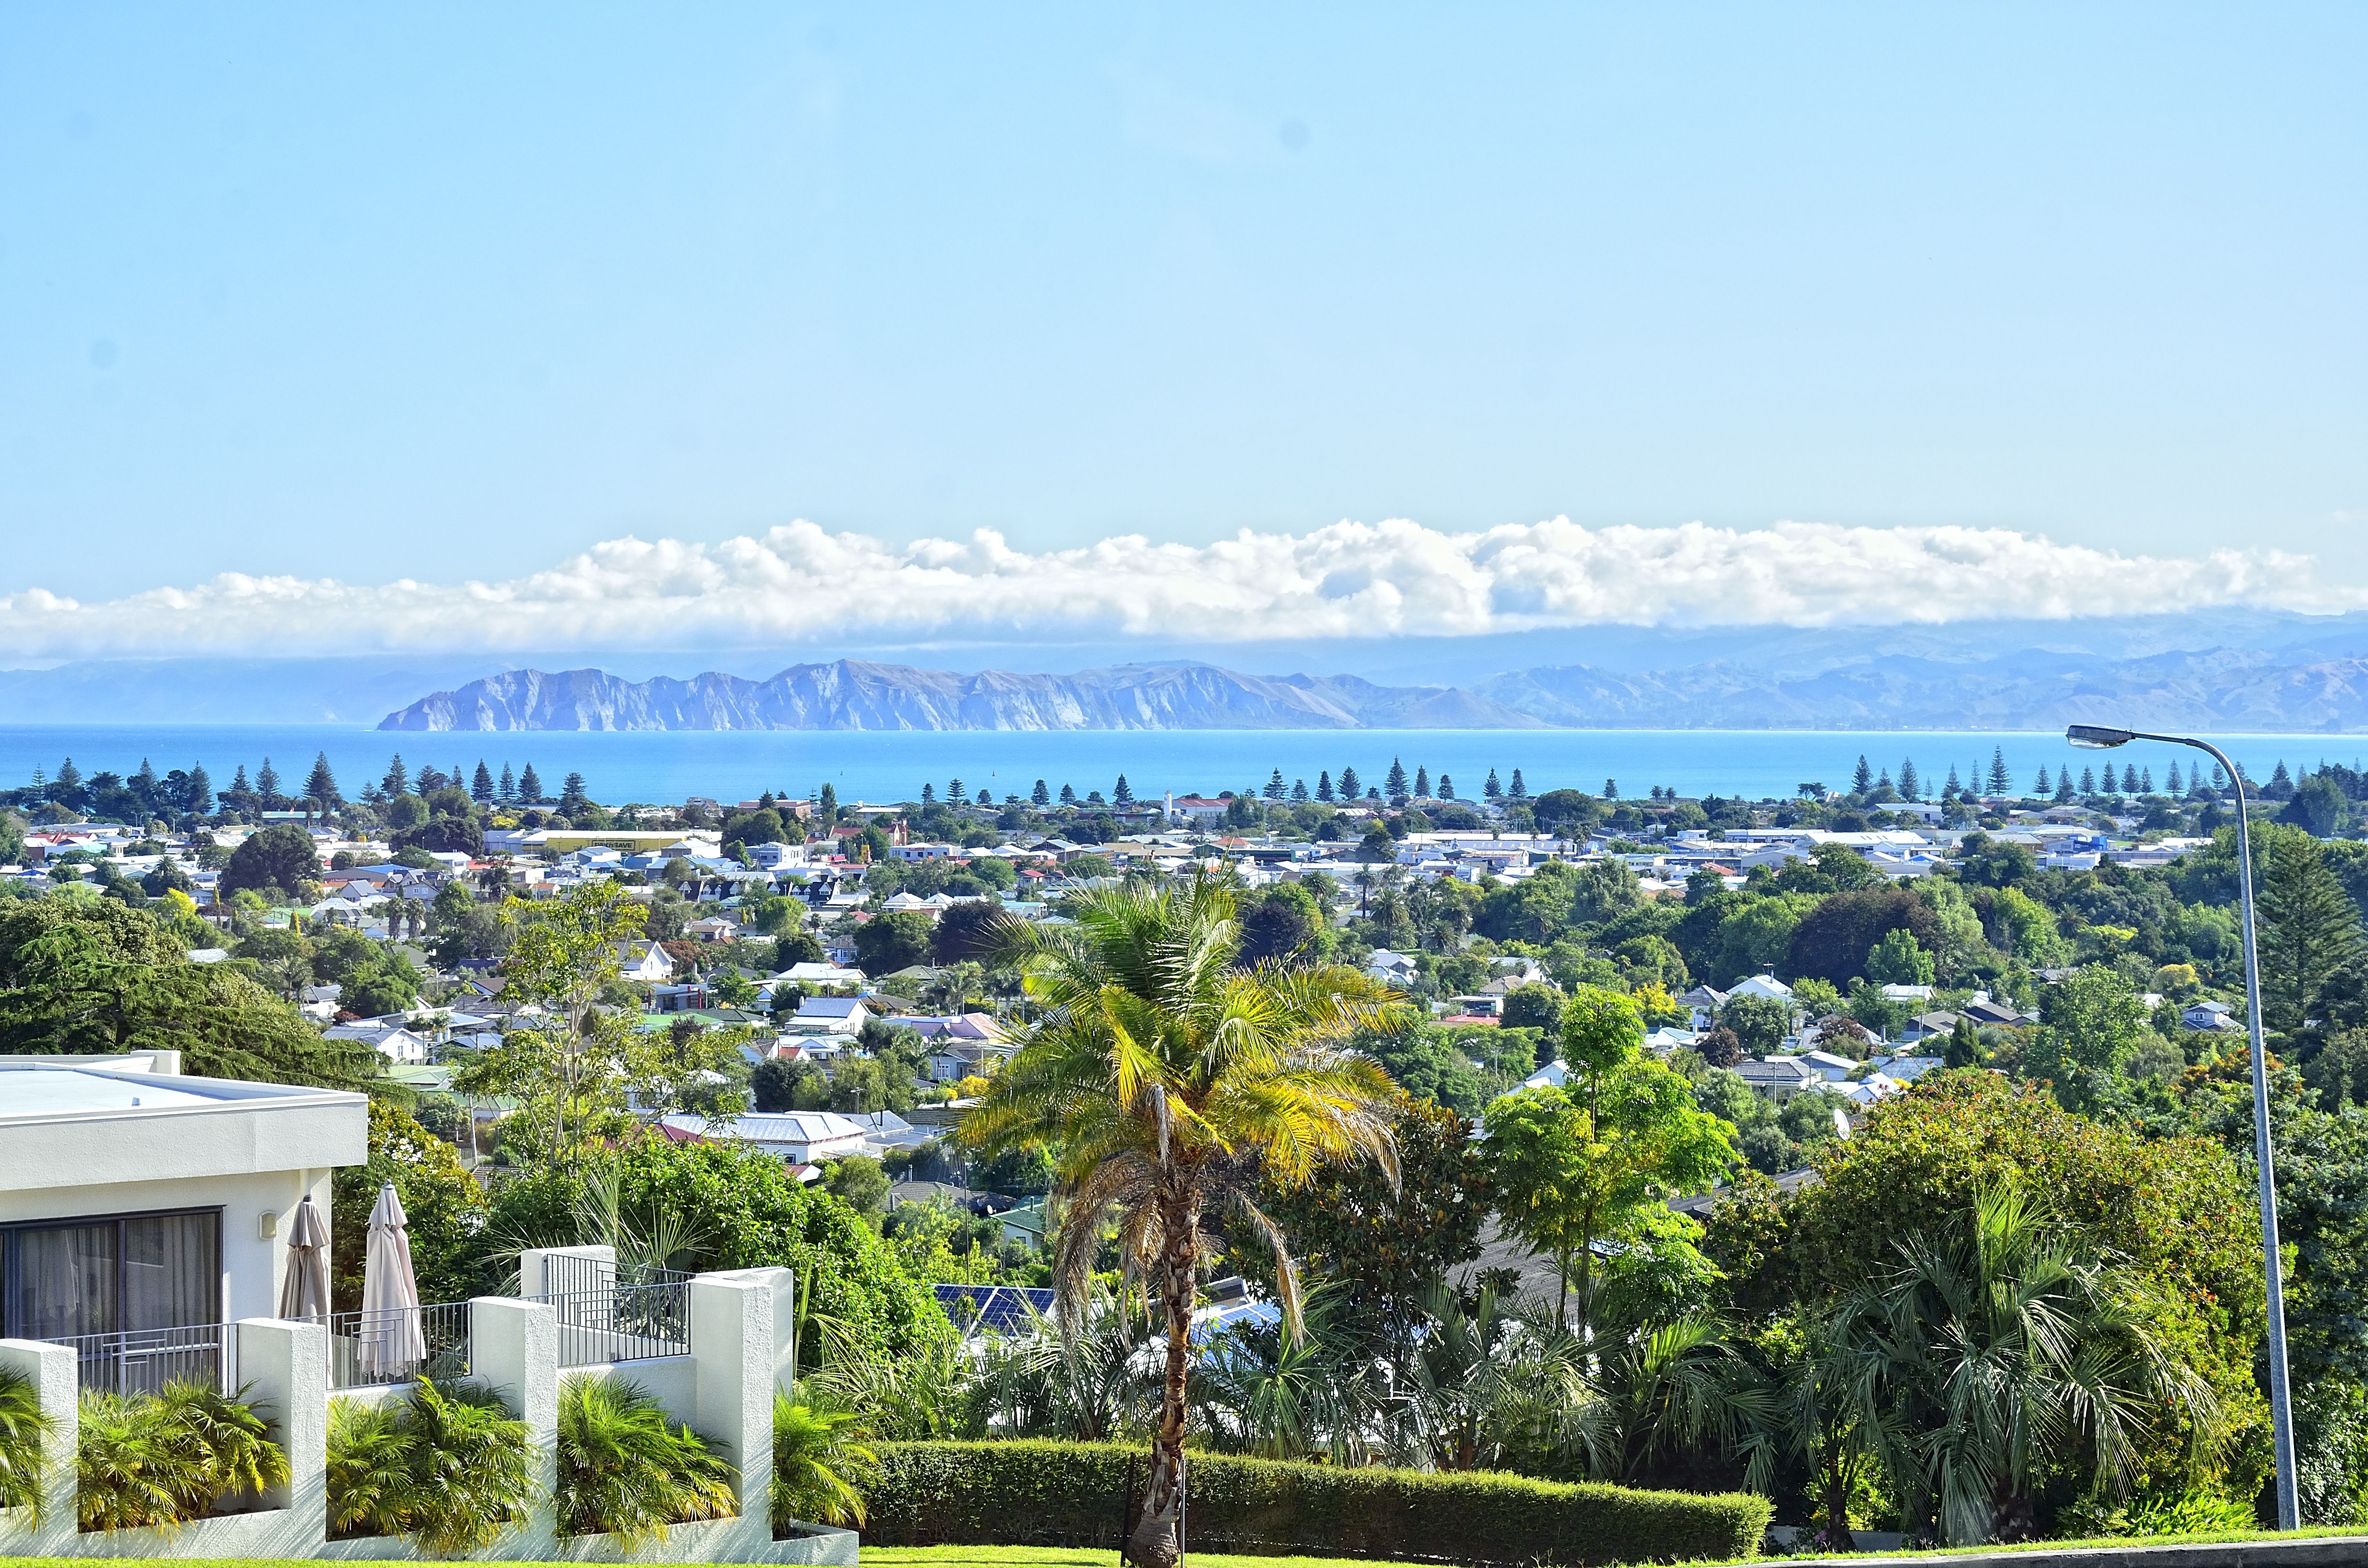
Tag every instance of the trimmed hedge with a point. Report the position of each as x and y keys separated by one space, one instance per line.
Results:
x=1036 y=1493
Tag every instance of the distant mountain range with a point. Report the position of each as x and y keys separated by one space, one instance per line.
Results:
x=2222 y=690
x=852 y=693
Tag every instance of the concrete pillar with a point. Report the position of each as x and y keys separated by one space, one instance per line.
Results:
x=53 y=1372
x=284 y=1367
x=739 y=1345
x=533 y=1273
x=514 y=1350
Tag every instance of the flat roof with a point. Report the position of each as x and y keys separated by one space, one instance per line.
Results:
x=53 y=1091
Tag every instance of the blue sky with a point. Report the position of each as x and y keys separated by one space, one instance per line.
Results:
x=446 y=293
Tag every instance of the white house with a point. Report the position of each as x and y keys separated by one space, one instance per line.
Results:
x=644 y=961
x=1766 y=985
x=387 y=1037
x=827 y=1015
x=800 y=1137
x=1389 y=968
x=135 y=1201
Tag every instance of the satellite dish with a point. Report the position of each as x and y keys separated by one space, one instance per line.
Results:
x=1841 y=1122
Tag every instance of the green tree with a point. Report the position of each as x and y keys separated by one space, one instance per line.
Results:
x=1572 y=1168
x=280 y=857
x=94 y=976
x=2309 y=926
x=1900 y=960
x=1175 y=1083
x=2319 y=807
x=886 y=943
x=1760 y=1023
x=568 y=1070
x=2093 y=1020
x=443 y=1208
x=1281 y=924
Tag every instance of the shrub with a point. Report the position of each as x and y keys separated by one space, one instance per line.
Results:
x=164 y=1458
x=448 y=1465
x=1074 y=1494
x=624 y=1471
x=819 y=1468
x=24 y=1429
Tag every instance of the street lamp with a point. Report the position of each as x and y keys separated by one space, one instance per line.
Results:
x=2094 y=738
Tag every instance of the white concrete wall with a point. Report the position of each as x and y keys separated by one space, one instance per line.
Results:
x=740 y=1328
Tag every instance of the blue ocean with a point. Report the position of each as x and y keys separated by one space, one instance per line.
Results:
x=894 y=765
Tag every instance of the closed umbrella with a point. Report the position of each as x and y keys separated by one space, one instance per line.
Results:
x=304 y=1293
x=391 y=1341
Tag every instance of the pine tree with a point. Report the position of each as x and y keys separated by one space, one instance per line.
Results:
x=2219 y=777
x=929 y=793
x=1882 y=779
x=1275 y=788
x=2087 y=783
x=954 y=792
x=827 y=809
x=2040 y=788
x=2145 y=779
x=506 y=790
x=202 y=790
x=1323 y=784
x=1068 y=795
x=530 y=787
x=986 y=796
x=572 y=796
x=2309 y=926
x=1518 y=791
x=1121 y=795
x=1952 y=787
x=1299 y=789
x=1040 y=796
x=266 y=781
x=481 y=787
x=1446 y=788
x=238 y=784
x=2000 y=781
x=1862 y=781
x=396 y=782
x=1491 y=790
x=1349 y=784
x=2064 y=786
x=1421 y=783
x=1394 y=782
x=1611 y=789
x=1910 y=787
x=2170 y=783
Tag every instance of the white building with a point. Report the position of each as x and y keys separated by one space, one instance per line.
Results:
x=800 y=1137
x=135 y=1201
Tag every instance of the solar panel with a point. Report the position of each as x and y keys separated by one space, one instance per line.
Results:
x=997 y=1309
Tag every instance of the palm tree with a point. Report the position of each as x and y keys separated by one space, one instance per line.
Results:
x=1490 y=1381
x=1998 y=1350
x=1170 y=1080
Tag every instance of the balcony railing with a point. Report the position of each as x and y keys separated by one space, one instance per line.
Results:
x=367 y=1349
x=607 y=1313
x=142 y=1360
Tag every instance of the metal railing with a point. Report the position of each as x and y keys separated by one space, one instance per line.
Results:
x=617 y=1315
x=142 y=1360
x=359 y=1357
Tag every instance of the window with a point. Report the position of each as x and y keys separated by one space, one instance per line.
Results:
x=126 y=1274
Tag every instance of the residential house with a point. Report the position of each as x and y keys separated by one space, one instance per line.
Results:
x=2210 y=1015
x=645 y=962
x=1780 y=1077
x=827 y=1015
x=798 y=1137
x=1832 y=1068
x=387 y=1036
x=1928 y=1025
x=1983 y=1010
x=963 y=1045
x=1766 y=985
x=710 y=928
x=1389 y=968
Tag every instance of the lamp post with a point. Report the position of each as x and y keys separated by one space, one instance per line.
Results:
x=2095 y=738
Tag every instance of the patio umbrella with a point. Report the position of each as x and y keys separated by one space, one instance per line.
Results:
x=391 y=1341
x=304 y=1293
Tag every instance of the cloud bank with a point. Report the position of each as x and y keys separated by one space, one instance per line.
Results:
x=798 y=585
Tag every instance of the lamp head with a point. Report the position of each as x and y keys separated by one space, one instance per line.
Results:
x=2091 y=737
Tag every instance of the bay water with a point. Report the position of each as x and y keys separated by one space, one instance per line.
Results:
x=882 y=766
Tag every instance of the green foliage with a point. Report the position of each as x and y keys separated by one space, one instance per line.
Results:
x=2094 y=1021
x=446 y=1465
x=162 y=1459
x=278 y=859
x=1898 y=959
x=443 y=1206
x=1054 y=1492
x=745 y=1212
x=1376 y=1243
x=1760 y=1023
x=1832 y=941
x=2310 y=926
x=625 y=1470
x=24 y=1431
x=94 y=976
x=886 y=943
x=820 y=1468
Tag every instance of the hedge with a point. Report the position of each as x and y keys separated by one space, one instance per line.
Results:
x=1051 y=1494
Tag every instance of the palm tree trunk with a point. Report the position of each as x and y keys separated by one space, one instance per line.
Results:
x=1158 y=1539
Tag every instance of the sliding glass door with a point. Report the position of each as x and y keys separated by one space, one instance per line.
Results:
x=138 y=1295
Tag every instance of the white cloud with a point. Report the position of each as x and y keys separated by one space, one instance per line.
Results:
x=801 y=585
